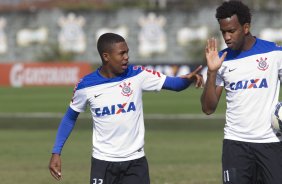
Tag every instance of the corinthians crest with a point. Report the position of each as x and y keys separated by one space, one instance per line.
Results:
x=126 y=90
x=262 y=64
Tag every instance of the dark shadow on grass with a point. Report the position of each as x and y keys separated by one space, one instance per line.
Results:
x=86 y=123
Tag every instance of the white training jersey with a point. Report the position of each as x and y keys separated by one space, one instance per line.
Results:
x=251 y=81
x=117 y=110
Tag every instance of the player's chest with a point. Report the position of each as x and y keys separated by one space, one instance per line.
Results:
x=249 y=73
x=114 y=94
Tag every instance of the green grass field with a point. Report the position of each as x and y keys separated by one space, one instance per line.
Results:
x=179 y=151
x=56 y=99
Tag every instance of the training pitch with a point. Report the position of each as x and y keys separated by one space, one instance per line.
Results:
x=183 y=146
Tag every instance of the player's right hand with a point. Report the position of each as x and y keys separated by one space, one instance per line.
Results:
x=55 y=166
x=213 y=60
x=195 y=76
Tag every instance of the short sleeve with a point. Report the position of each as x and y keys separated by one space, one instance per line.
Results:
x=153 y=80
x=219 y=81
x=79 y=100
x=280 y=66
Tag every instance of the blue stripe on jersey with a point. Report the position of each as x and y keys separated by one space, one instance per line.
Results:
x=96 y=78
x=260 y=46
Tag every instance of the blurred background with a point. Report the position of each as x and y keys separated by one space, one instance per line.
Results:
x=157 y=31
x=46 y=46
x=167 y=35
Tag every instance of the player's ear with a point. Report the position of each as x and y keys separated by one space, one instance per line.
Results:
x=246 y=28
x=105 y=56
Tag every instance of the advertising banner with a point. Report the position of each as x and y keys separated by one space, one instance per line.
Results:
x=42 y=74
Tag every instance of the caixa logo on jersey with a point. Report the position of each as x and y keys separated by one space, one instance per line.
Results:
x=249 y=84
x=115 y=109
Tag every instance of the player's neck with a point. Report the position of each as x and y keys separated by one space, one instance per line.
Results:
x=106 y=73
x=250 y=40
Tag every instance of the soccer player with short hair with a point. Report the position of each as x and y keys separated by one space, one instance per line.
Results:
x=114 y=95
x=249 y=70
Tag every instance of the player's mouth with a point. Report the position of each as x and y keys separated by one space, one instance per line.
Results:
x=124 y=66
x=229 y=44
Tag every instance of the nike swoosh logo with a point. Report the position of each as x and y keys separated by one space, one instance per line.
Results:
x=95 y=96
x=231 y=70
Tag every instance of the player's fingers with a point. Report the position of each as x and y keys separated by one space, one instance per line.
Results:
x=198 y=81
x=207 y=50
x=198 y=69
x=210 y=44
x=223 y=56
x=215 y=44
x=55 y=173
x=202 y=82
x=207 y=46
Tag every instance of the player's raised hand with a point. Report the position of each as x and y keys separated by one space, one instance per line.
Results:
x=195 y=76
x=213 y=60
x=55 y=166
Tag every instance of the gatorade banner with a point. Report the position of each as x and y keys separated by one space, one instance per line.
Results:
x=42 y=74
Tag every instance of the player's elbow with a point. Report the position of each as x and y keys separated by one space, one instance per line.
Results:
x=208 y=111
x=208 y=106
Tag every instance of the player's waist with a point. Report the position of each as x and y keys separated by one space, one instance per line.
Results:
x=118 y=158
x=254 y=139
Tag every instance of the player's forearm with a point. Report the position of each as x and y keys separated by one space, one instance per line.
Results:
x=176 y=83
x=209 y=98
x=64 y=130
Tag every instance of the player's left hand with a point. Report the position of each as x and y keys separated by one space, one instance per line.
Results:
x=196 y=77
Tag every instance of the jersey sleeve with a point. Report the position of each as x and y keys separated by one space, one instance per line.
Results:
x=219 y=81
x=176 y=83
x=79 y=100
x=153 y=80
x=280 y=74
x=280 y=65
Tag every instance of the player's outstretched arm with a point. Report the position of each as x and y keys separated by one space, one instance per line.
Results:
x=55 y=166
x=184 y=81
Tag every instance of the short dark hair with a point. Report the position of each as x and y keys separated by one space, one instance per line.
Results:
x=106 y=40
x=229 y=8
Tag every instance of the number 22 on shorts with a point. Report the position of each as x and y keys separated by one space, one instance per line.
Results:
x=97 y=181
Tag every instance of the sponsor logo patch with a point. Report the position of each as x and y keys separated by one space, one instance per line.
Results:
x=262 y=64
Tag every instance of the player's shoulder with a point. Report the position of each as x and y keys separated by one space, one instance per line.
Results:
x=260 y=47
x=95 y=78
x=88 y=80
x=136 y=70
x=268 y=46
x=147 y=71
